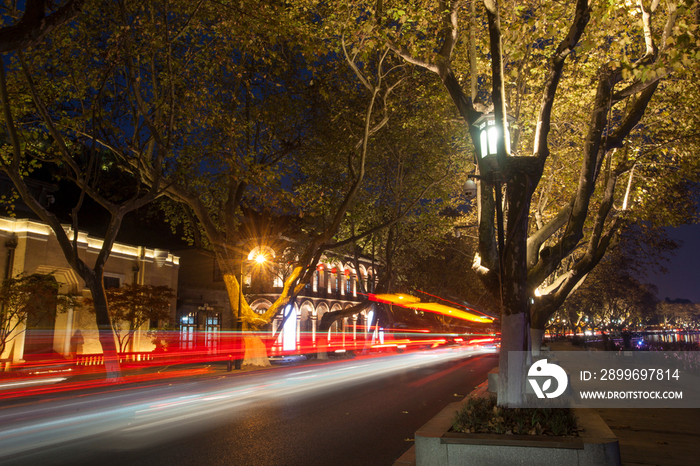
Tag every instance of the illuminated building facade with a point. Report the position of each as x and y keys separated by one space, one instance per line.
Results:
x=31 y=247
x=204 y=308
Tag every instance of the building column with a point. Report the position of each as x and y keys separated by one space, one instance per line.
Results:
x=314 y=318
x=343 y=330
x=68 y=332
x=354 y=327
x=298 y=328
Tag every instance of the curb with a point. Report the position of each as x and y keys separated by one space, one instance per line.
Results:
x=409 y=458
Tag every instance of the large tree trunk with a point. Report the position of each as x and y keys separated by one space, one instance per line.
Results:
x=104 y=326
x=511 y=364
x=322 y=345
x=514 y=292
x=537 y=325
x=250 y=347
x=536 y=336
x=255 y=352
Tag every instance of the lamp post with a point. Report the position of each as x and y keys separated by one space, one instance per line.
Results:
x=239 y=342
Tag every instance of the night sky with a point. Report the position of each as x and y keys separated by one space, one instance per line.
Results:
x=683 y=277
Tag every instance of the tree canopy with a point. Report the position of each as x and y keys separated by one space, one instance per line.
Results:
x=593 y=88
x=49 y=115
x=335 y=112
x=611 y=298
x=226 y=107
x=23 y=28
x=26 y=300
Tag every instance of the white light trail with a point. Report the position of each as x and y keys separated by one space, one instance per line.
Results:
x=5 y=386
x=168 y=409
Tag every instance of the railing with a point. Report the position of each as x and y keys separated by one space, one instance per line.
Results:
x=98 y=358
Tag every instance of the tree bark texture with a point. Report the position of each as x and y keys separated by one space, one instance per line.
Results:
x=255 y=352
x=511 y=363
x=104 y=324
x=536 y=339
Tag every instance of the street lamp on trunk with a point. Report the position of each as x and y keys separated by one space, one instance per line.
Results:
x=503 y=265
x=489 y=138
x=489 y=134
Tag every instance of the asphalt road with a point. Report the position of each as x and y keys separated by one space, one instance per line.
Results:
x=350 y=412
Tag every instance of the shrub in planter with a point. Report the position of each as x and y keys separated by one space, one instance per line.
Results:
x=482 y=415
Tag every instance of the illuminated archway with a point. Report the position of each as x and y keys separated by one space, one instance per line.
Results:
x=259 y=306
x=289 y=329
x=260 y=252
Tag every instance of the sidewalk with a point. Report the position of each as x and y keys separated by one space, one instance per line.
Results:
x=663 y=437
x=667 y=437
x=647 y=437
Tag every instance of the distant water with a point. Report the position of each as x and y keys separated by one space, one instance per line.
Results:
x=672 y=337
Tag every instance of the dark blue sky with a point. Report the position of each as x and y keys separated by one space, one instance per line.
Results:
x=683 y=277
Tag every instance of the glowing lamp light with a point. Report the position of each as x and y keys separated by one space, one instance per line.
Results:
x=489 y=134
x=260 y=258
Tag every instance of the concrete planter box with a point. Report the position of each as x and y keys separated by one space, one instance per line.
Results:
x=436 y=446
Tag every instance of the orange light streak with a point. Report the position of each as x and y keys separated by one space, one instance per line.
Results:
x=411 y=302
x=456 y=304
x=482 y=340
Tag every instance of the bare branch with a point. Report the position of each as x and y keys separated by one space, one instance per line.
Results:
x=404 y=53
x=566 y=46
x=651 y=48
x=354 y=67
x=451 y=28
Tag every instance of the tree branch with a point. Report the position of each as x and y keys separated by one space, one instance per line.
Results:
x=566 y=46
x=35 y=25
x=451 y=28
